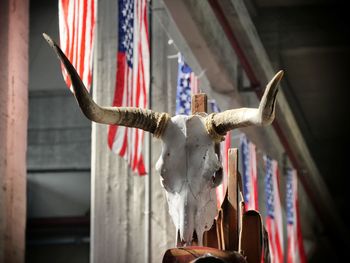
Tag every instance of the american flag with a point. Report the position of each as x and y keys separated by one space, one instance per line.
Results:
x=250 y=181
x=224 y=147
x=273 y=221
x=132 y=80
x=76 y=29
x=187 y=84
x=295 y=247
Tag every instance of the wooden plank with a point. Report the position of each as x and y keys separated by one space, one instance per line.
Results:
x=252 y=236
x=199 y=103
x=14 y=32
x=231 y=209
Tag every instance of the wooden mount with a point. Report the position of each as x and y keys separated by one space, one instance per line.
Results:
x=199 y=103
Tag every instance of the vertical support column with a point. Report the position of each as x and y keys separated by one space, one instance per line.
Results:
x=117 y=195
x=14 y=31
x=108 y=172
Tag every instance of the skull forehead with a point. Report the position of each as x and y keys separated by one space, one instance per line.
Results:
x=187 y=130
x=188 y=154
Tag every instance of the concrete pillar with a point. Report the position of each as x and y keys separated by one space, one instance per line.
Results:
x=118 y=211
x=14 y=31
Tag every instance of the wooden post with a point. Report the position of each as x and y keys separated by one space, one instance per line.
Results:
x=232 y=211
x=230 y=214
x=252 y=236
x=14 y=35
x=199 y=103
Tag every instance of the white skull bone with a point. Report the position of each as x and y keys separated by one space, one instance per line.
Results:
x=187 y=166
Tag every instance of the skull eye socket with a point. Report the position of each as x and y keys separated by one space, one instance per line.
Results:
x=213 y=180
x=217 y=178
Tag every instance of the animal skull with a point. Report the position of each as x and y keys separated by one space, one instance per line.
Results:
x=187 y=165
x=188 y=161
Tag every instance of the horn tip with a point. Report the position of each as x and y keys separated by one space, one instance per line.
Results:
x=48 y=39
x=279 y=74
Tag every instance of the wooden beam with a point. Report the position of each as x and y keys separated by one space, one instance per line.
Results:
x=14 y=35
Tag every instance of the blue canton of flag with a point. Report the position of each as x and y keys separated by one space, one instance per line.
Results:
x=290 y=197
x=183 y=95
x=269 y=188
x=126 y=29
x=246 y=176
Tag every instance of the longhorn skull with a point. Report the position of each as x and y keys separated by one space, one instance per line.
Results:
x=188 y=160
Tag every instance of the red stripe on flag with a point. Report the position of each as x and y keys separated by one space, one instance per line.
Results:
x=278 y=243
x=82 y=43
x=111 y=135
x=118 y=96
x=120 y=80
x=92 y=31
x=136 y=147
x=143 y=86
x=125 y=143
x=71 y=48
x=141 y=167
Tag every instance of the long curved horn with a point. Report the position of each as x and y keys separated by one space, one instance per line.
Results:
x=220 y=123
x=144 y=119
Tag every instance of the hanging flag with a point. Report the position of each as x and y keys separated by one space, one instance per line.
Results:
x=295 y=247
x=249 y=178
x=187 y=85
x=224 y=147
x=132 y=80
x=273 y=221
x=76 y=28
